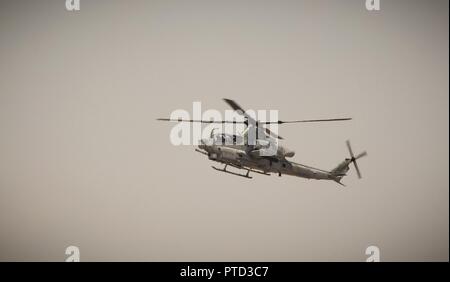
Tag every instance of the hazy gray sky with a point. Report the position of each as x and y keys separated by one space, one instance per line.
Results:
x=83 y=161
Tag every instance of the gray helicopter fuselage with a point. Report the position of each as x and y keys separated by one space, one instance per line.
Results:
x=243 y=156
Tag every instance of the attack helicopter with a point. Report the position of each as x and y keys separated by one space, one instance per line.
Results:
x=256 y=150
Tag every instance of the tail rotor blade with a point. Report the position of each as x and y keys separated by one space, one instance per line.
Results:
x=363 y=154
x=350 y=149
x=357 y=169
x=353 y=158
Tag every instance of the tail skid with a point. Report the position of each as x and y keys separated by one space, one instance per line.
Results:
x=338 y=181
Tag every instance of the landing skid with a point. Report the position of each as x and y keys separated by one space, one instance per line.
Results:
x=201 y=152
x=234 y=173
x=224 y=169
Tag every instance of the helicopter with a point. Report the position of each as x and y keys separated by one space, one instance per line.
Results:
x=257 y=150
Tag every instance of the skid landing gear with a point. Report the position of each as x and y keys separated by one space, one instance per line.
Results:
x=246 y=175
x=224 y=169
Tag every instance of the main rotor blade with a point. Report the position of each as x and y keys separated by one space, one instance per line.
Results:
x=201 y=121
x=240 y=110
x=270 y=133
x=234 y=105
x=305 y=120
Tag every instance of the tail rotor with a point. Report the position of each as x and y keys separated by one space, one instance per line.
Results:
x=353 y=158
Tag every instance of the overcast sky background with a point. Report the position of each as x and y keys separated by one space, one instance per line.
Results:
x=83 y=161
